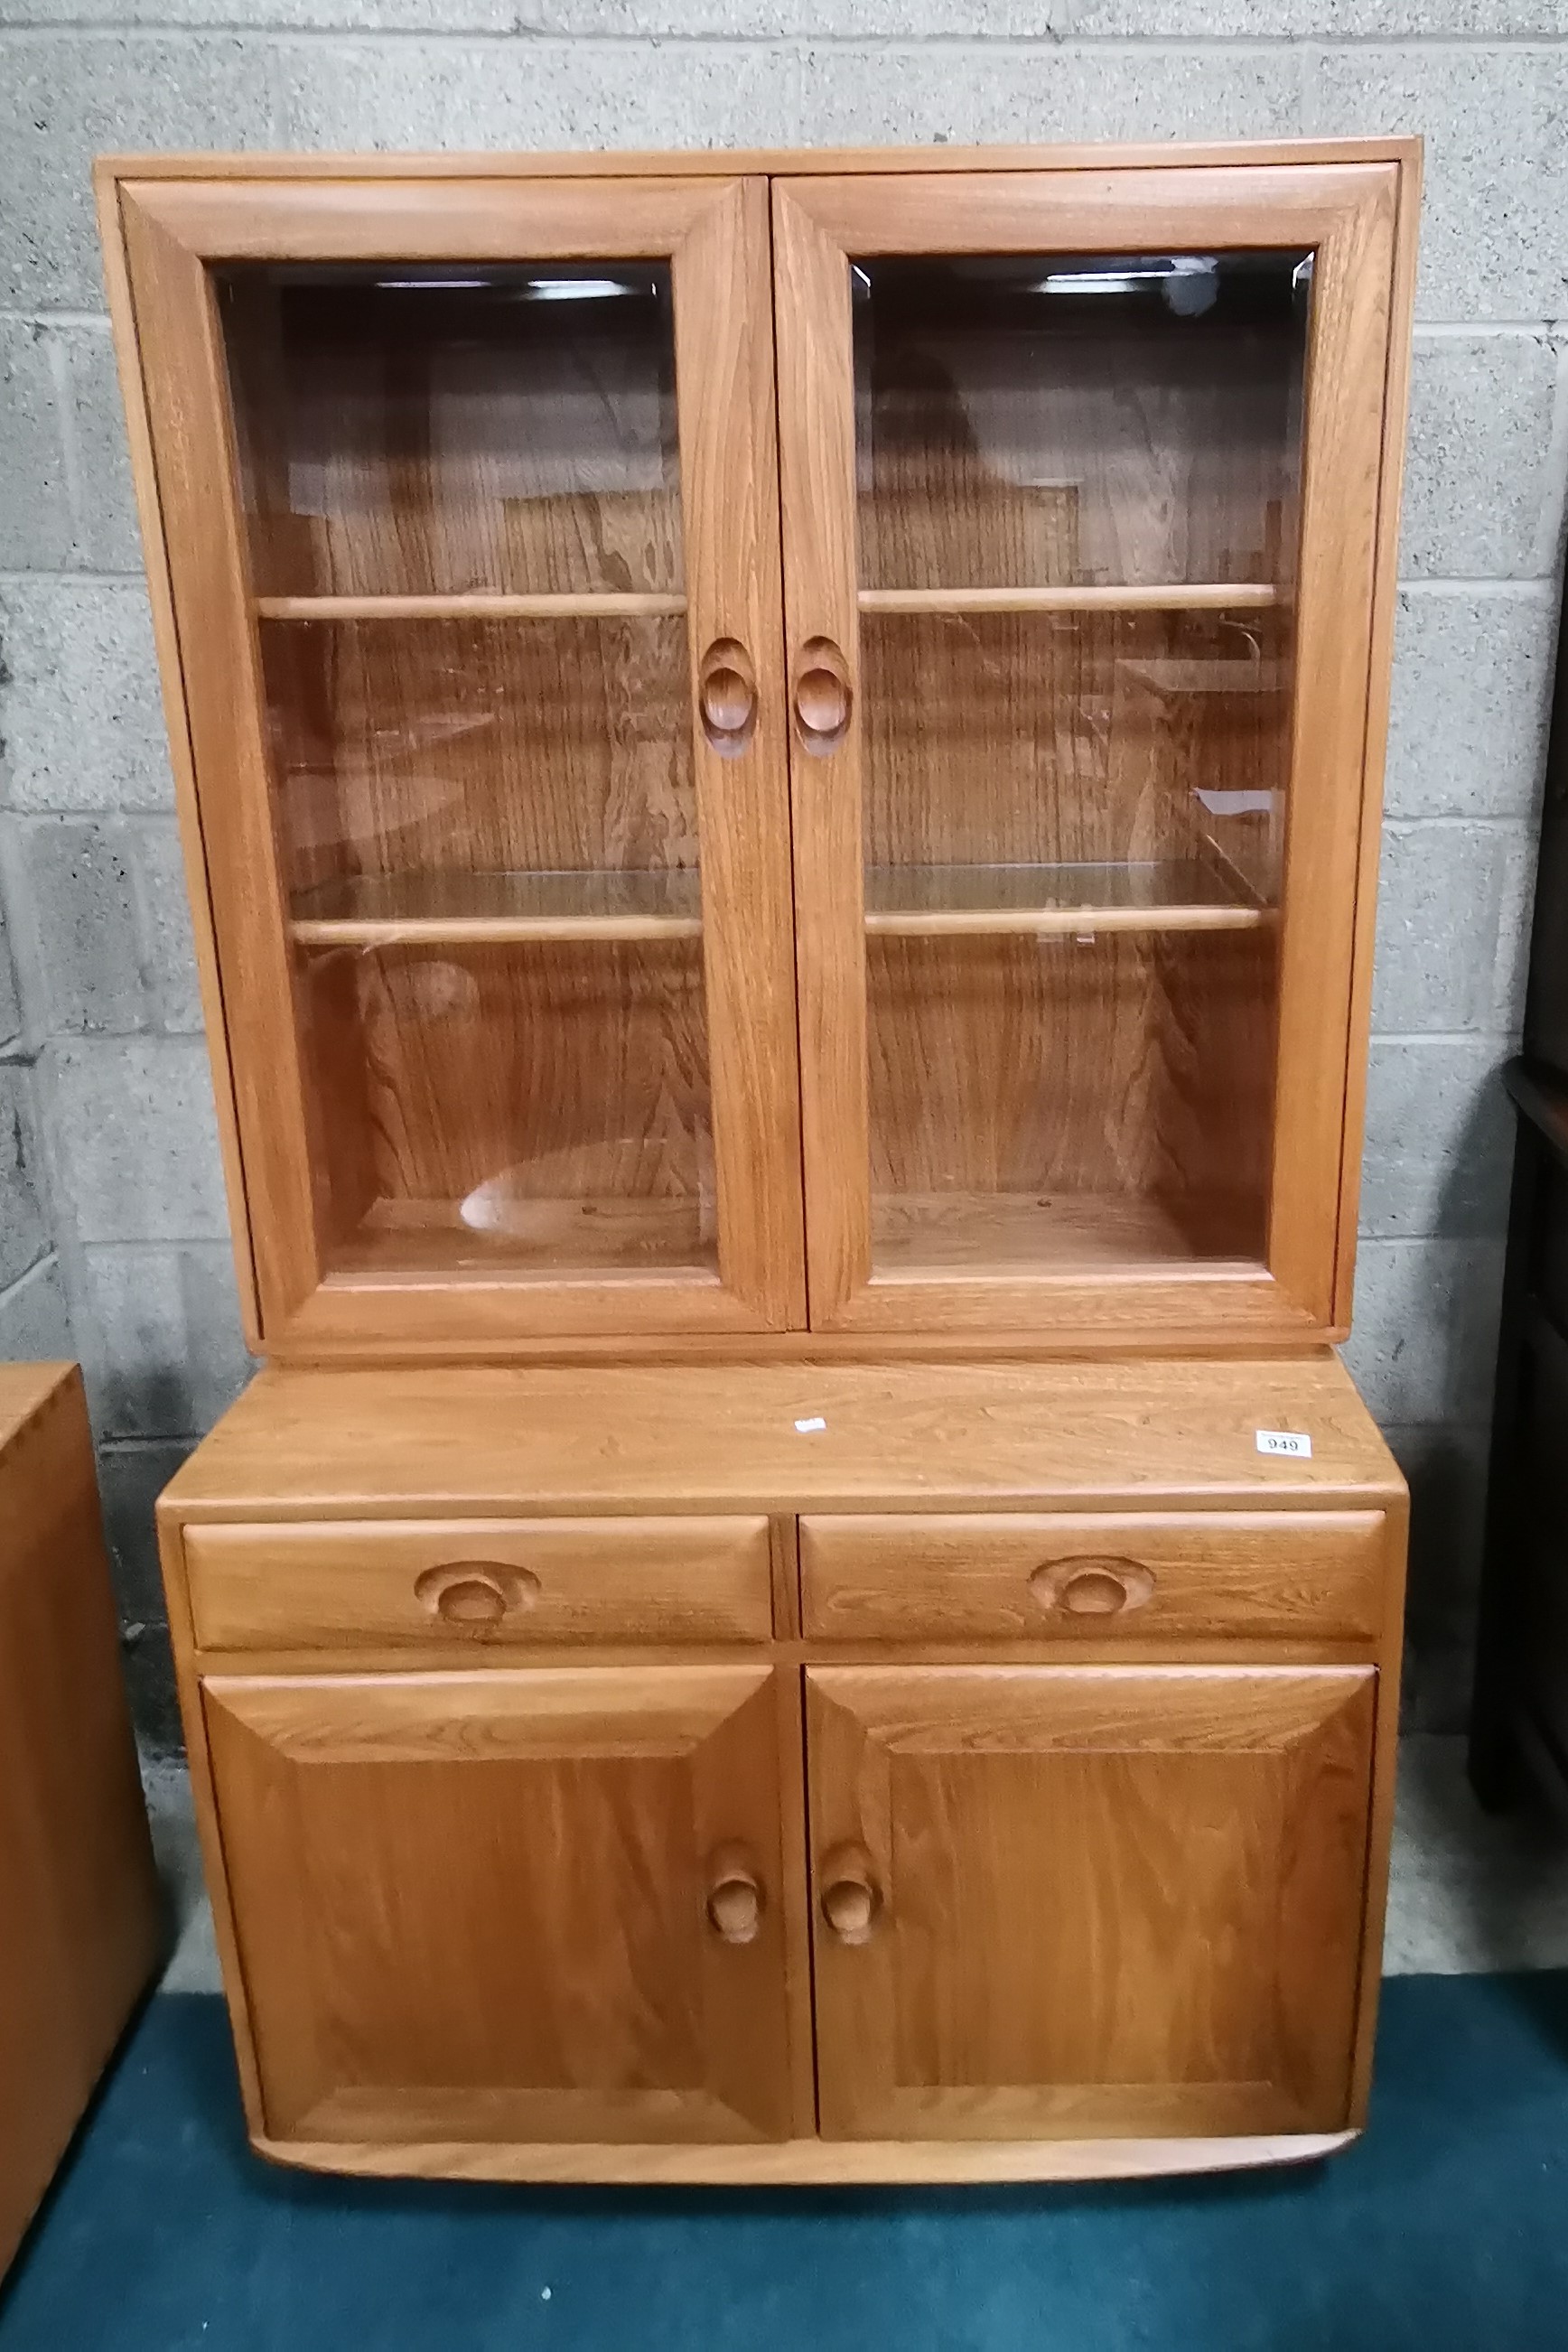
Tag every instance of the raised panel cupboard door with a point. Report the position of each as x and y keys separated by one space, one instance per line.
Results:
x=518 y=1907
x=470 y=509
x=1084 y=474
x=1086 y=1901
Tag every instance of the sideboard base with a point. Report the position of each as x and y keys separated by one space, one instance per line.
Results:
x=811 y=2163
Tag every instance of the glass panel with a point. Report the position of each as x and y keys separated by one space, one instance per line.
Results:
x=486 y=819
x=1078 y=494
x=480 y=1109
x=414 y=429
x=1032 y=420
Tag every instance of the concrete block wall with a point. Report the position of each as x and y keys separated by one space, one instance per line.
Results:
x=112 y=1213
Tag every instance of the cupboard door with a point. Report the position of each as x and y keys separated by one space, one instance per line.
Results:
x=1086 y=1901
x=517 y=1907
x=470 y=503
x=1081 y=478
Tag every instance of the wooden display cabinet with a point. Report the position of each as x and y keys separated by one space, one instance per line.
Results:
x=780 y=758
x=528 y=791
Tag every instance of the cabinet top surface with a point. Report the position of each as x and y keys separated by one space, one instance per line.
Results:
x=793 y=1437
x=711 y=162
x=24 y=1387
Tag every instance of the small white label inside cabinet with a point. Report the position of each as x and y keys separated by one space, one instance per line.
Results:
x=1285 y=1440
x=807 y=1427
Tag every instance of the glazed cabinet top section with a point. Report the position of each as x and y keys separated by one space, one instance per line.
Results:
x=469 y=1441
x=778 y=745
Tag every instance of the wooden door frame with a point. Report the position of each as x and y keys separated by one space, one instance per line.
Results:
x=163 y=234
x=1357 y=217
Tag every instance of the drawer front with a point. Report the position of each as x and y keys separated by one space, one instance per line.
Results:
x=1033 y=1577
x=486 y=1580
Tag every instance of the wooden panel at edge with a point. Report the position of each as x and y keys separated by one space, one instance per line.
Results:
x=816 y=465
x=78 y=1898
x=165 y=637
x=616 y=165
x=1344 y=396
x=187 y=403
x=1396 y=401
x=724 y=375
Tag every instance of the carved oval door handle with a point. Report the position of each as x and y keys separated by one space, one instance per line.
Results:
x=824 y=696
x=851 y=1899
x=735 y=1899
x=727 y=696
x=1089 y=1587
x=476 y=1592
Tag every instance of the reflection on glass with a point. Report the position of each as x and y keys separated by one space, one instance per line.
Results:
x=535 y=1109
x=1027 y=421
x=486 y=821
x=453 y=747
x=1078 y=498
x=421 y=429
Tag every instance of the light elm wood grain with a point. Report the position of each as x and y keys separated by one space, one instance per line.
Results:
x=473 y=1907
x=78 y=1895
x=1113 y=1899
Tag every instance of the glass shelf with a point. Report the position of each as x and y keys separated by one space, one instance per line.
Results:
x=1000 y=1235
x=494 y=1231
x=1123 y=596
x=1165 y=894
x=492 y=910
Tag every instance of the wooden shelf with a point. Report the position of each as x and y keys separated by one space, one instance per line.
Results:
x=481 y=605
x=948 y=901
x=481 y=909
x=1171 y=596
x=1004 y=1235
x=493 y=1236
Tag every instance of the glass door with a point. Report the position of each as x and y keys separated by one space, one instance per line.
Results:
x=1078 y=777
x=493 y=791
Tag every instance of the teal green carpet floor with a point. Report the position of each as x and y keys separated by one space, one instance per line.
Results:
x=1445 y=2227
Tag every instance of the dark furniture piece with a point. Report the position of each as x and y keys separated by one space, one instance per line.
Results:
x=1519 y=1742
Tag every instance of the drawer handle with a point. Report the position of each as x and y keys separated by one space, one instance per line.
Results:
x=1092 y=1588
x=851 y=1899
x=476 y=1592
x=734 y=1896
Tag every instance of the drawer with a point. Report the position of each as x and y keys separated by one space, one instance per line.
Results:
x=533 y=1580
x=1027 y=1577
